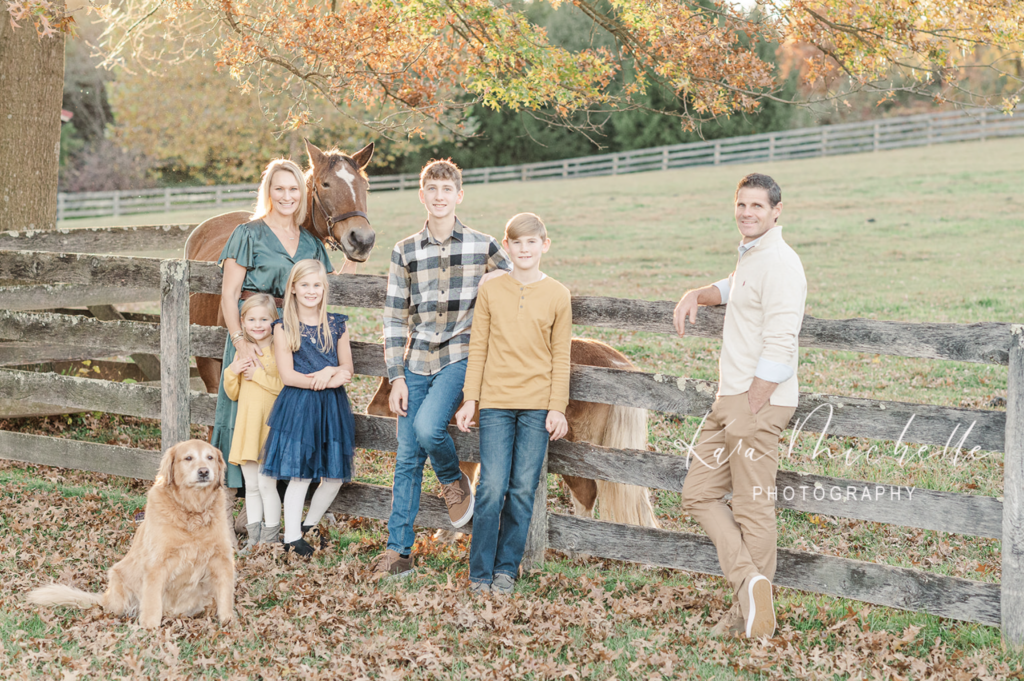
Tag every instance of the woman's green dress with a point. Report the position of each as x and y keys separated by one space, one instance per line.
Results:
x=256 y=248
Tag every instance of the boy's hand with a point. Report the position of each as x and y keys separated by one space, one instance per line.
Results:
x=322 y=378
x=240 y=365
x=399 y=399
x=556 y=425
x=464 y=416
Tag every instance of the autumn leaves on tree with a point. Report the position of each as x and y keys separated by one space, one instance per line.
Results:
x=423 y=56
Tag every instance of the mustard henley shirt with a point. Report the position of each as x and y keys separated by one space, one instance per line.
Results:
x=519 y=345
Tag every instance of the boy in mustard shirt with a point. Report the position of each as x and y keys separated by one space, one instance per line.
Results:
x=519 y=372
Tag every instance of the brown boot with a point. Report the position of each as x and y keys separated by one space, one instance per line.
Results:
x=391 y=564
x=458 y=496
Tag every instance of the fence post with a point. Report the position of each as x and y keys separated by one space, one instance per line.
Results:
x=175 y=412
x=523 y=175
x=878 y=134
x=537 y=536
x=565 y=168
x=718 y=153
x=60 y=205
x=116 y=204
x=1012 y=587
x=771 y=147
x=984 y=116
x=487 y=175
x=931 y=130
x=664 y=158
x=824 y=141
x=220 y=196
x=167 y=199
x=615 y=164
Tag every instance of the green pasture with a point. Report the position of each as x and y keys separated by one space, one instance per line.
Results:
x=929 y=234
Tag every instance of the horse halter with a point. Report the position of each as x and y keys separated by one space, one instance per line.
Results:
x=328 y=238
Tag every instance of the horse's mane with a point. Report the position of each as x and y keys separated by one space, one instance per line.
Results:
x=334 y=157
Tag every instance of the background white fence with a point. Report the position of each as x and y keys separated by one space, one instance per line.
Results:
x=829 y=140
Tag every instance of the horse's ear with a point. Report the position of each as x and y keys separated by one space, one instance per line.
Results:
x=316 y=157
x=363 y=156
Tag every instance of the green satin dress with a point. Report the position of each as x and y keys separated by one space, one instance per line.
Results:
x=256 y=248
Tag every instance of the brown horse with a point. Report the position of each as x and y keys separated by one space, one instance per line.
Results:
x=336 y=188
x=599 y=424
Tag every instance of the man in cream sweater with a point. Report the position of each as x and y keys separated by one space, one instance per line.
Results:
x=737 y=450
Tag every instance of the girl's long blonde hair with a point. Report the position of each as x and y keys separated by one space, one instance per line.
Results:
x=292 y=327
x=263 y=203
x=259 y=300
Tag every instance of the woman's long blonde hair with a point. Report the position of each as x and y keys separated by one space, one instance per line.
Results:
x=263 y=203
x=259 y=300
x=292 y=327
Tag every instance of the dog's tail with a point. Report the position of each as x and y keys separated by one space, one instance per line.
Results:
x=59 y=594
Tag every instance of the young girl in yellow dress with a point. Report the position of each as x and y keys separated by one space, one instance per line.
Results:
x=255 y=389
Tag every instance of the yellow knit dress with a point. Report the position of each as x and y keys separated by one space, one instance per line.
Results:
x=255 y=400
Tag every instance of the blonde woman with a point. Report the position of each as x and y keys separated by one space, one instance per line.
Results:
x=257 y=259
x=312 y=432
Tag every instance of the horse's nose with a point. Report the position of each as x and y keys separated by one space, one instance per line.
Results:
x=203 y=473
x=363 y=238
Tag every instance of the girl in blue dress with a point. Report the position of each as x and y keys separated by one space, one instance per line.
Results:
x=312 y=432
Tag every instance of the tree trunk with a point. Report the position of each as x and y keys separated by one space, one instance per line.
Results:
x=32 y=85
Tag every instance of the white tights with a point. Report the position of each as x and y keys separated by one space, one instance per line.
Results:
x=262 y=502
x=295 y=498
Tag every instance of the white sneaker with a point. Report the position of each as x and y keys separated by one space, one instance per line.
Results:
x=760 y=621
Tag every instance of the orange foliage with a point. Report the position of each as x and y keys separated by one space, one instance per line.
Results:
x=424 y=56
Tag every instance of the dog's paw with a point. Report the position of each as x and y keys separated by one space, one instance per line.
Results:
x=150 y=622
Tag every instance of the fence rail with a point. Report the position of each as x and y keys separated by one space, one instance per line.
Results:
x=828 y=140
x=912 y=589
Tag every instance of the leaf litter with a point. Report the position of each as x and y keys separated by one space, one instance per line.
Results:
x=330 y=618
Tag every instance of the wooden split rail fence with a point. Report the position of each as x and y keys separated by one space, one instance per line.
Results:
x=173 y=339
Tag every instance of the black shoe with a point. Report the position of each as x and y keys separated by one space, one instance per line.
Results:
x=321 y=535
x=300 y=546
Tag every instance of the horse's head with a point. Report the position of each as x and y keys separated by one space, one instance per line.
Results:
x=337 y=192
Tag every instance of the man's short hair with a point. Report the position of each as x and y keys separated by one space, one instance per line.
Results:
x=759 y=181
x=443 y=169
x=524 y=225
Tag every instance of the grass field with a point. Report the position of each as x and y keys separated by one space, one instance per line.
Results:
x=917 y=235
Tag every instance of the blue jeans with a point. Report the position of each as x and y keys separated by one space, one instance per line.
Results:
x=423 y=433
x=513 y=443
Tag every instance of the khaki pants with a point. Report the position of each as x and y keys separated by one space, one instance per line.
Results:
x=738 y=452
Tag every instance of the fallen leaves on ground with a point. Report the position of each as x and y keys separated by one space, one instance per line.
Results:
x=330 y=618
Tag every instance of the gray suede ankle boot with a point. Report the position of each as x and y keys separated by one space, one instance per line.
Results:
x=270 y=535
x=254 y=530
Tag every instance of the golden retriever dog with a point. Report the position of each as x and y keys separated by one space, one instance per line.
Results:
x=180 y=559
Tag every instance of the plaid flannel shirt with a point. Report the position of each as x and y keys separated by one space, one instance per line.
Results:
x=431 y=294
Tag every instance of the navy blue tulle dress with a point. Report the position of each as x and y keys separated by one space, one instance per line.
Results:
x=312 y=432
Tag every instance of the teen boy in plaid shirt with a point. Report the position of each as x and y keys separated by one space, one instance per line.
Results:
x=432 y=286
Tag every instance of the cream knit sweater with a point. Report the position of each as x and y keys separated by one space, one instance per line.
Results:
x=767 y=292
